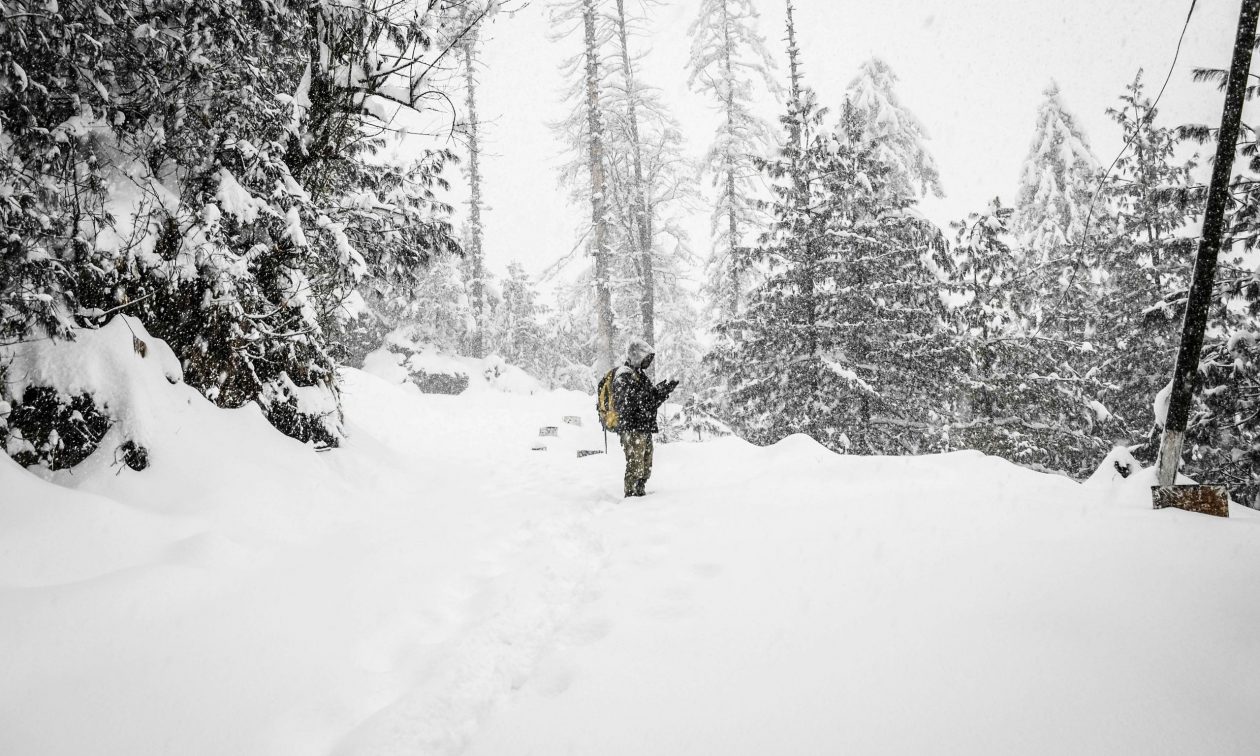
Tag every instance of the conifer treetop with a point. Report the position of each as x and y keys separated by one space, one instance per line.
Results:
x=1057 y=181
x=899 y=134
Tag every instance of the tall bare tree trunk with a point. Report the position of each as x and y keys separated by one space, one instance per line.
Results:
x=599 y=219
x=642 y=231
x=476 y=257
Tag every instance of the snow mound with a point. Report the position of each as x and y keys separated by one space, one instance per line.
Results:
x=1117 y=466
x=1121 y=481
x=801 y=447
x=386 y=365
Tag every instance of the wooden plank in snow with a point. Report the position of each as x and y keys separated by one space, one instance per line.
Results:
x=1210 y=500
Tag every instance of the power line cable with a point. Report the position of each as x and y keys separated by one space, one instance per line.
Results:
x=1080 y=246
x=1150 y=113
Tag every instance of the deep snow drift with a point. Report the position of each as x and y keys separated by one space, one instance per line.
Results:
x=437 y=587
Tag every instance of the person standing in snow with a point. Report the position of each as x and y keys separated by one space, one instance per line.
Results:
x=637 y=401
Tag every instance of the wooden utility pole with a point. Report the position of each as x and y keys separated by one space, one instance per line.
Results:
x=1185 y=374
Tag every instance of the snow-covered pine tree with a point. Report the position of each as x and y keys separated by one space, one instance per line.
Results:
x=440 y=312
x=1061 y=280
x=1147 y=264
x=1223 y=436
x=731 y=65
x=1056 y=183
x=842 y=340
x=1011 y=392
x=517 y=325
x=838 y=342
x=402 y=226
x=568 y=325
x=897 y=132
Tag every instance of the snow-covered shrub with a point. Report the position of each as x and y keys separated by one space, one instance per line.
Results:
x=71 y=397
x=439 y=382
x=434 y=371
x=46 y=427
x=1018 y=383
x=697 y=419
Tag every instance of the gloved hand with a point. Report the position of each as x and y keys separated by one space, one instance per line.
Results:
x=667 y=387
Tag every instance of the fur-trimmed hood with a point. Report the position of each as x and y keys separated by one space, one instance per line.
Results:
x=637 y=352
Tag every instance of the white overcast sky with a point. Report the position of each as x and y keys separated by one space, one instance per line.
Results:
x=972 y=70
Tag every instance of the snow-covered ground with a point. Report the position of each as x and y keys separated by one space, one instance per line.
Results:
x=438 y=587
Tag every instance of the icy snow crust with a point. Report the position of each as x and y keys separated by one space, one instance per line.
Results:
x=437 y=587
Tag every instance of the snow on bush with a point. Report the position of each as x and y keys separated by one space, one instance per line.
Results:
x=434 y=371
x=69 y=397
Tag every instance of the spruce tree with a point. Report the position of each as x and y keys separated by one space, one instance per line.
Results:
x=517 y=329
x=1011 y=390
x=1147 y=265
x=1056 y=183
x=838 y=341
x=897 y=132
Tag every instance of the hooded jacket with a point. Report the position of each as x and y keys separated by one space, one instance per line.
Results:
x=634 y=396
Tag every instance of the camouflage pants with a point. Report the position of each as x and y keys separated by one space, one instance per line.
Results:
x=638 y=449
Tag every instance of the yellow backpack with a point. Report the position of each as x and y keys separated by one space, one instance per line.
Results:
x=604 y=402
